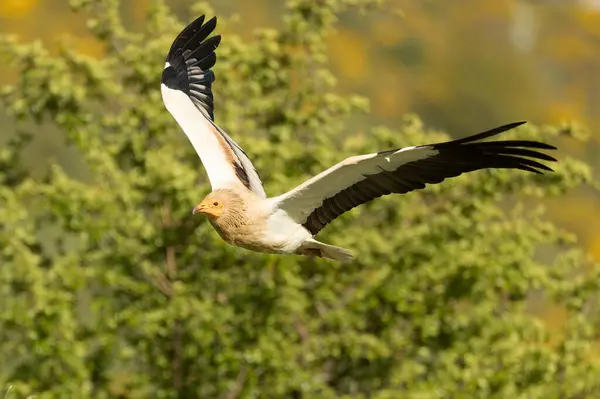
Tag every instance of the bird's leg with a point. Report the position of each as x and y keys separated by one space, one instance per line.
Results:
x=312 y=252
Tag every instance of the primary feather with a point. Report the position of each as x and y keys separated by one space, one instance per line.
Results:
x=186 y=90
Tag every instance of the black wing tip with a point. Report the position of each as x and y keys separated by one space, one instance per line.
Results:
x=475 y=139
x=209 y=26
x=198 y=23
x=212 y=21
x=214 y=41
x=539 y=145
x=536 y=169
x=506 y=127
x=185 y=38
x=480 y=136
x=189 y=60
x=512 y=154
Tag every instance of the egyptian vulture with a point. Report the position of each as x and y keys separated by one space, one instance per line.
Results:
x=238 y=207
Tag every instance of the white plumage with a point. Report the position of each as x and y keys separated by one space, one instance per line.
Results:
x=238 y=207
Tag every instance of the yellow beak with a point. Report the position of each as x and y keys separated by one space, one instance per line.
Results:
x=201 y=208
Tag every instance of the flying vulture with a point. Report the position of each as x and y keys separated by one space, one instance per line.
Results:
x=238 y=207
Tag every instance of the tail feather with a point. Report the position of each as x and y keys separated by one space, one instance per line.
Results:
x=322 y=250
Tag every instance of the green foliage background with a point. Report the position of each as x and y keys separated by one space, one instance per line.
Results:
x=110 y=289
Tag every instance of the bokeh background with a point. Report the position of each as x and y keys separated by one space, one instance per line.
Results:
x=462 y=66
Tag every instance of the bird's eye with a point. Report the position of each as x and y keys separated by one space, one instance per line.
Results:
x=215 y=203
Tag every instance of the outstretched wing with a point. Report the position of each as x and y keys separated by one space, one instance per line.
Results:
x=186 y=92
x=360 y=179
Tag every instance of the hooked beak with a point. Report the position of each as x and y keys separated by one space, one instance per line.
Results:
x=201 y=208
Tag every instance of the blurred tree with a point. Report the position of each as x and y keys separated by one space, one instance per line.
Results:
x=438 y=59
x=110 y=289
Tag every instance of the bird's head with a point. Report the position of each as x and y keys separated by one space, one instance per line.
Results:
x=212 y=205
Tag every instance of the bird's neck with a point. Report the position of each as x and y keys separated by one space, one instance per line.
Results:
x=232 y=218
x=232 y=226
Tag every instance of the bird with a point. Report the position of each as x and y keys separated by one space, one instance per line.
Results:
x=238 y=207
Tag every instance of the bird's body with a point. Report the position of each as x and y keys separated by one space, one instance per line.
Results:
x=238 y=207
x=250 y=222
x=258 y=224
